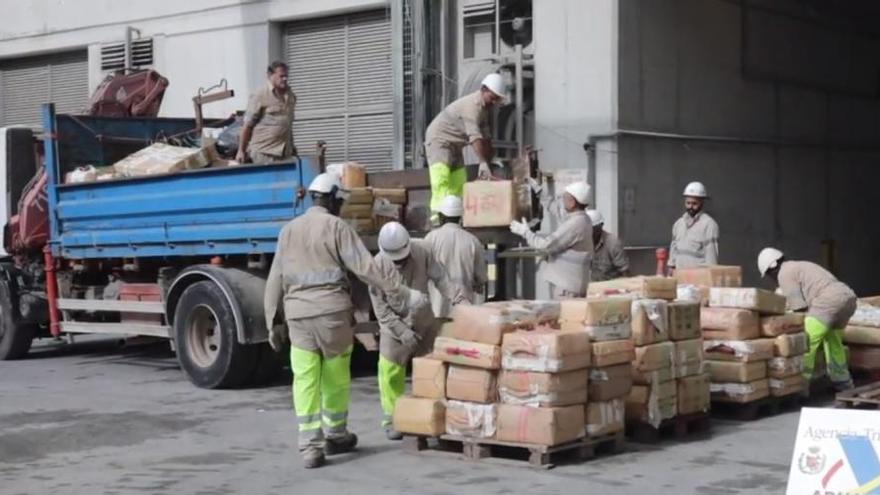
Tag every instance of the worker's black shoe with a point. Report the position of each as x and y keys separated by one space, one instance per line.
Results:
x=313 y=458
x=340 y=445
x=392 y=434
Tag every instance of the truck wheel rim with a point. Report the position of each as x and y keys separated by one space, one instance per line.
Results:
x=203 y=336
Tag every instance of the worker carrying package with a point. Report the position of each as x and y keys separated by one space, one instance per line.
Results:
x=545 y=351
x=528 y=388
x=468 y=419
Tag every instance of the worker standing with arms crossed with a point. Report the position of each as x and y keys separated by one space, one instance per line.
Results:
x=309 y=273
x=609 y=259
x=267 y=133
x=829 y=304
x=410 y=333
x=569 y=249
x=695 y=234
x=463 y=122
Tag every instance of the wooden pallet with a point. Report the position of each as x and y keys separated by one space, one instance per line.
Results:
x=750 y=411
x=540 y=456
x=678 y=427
x=866 y=396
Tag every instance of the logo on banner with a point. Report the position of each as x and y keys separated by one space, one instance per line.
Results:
x=812 y=461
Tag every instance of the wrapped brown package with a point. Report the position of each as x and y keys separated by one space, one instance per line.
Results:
x=855 y=334
x=420 y=416
x=472 y=384
x=356 y=211
x=394 y=195
x=639 y=287
x=529 y=388
x=469 y=419
x=735 y=372
x=693 y=394
x=652 y=404
x=760 y=300
x=739 y=350
x=353 y=175
x=654 y=357
x=781 y=367
x=161 y=158
x=610 y=382
x=729 y=324
x=791 y=344
x=360 y=196
x=710 y=276
x=599 y=333
x=649 y=321
x=684 y=320
x=689 y=369
x=863 y=357
x=652 y=377
x=781 y=387
x=599 y=311
x=771 y=326
x=688 y=351
x=545 y=351
x=489 y=203
x=482 y=323
x=467 y=353
x=740 y=392
x=611 y=352
x=428 y=378
x=605 y=417
x=540 y=425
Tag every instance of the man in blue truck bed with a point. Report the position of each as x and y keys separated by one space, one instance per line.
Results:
x=267 y=133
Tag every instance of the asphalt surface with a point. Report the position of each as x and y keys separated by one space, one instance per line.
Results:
x=96 y=418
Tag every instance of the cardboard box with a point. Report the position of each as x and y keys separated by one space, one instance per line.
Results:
x=360 y=196
x=482 y=323
x=540 y=425
x=599 y=333
x=689 y=369
x=600 y=311
x=469 y=419
x=738 y=350
x=420 y=416
x=528 y=388
x=684 y=320
x=863 y=357
x=734 y=372
x=489 y=203
x=356 y=211
x=781 y=387
x=428 y=378
x=467 y=353
x=394 y=195
x=545 y=351
x=161 y=158
x=605 y=417
x=353 y=175
x=710 y=276
x=645 y=404
x=472 y=384
x=760 y=300
x=653 y=377
x=855 y=334
x=688 y=351
x=649 y=321
x=530 y=313
x=772 y=326
x=781 y=367
x=693 y=394
x=361 y=225
x=740 y=392
x=611 y=352
x=610 y=382
x=638 y=287
x=792 y=344
x=654 y=357
x=729 y=324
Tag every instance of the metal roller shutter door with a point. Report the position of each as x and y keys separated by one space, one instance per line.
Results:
x=340 y=70
x=27 y=83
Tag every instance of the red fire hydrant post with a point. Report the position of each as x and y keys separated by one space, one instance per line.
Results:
x=662 y=261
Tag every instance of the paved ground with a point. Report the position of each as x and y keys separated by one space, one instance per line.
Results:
x=99 y=419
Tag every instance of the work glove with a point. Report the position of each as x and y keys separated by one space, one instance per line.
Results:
x=416 y=300
x=520 y=228
x=484 y=172
x=278 y=337
x=410 y=338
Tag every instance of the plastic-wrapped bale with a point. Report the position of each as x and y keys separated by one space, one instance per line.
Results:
x=792 y=344
x=710 y=276
x=781 y=387
x=772 y=326
x=649 y=321
x=489 y=203
x=736 y=372
x=610 y=382
x=605 y=417
x=729 y=324
x=688 y=357
x=611 y=352
x=420 y=416
x=652 y=404
x=782 y=367
x=739 y=350
x=760 y=300
x=545 y=351
x=601 y=318
x=467 y=353
x=529 y=388
x=740 y=392
x=472 y=384
x=639 y=287
x=654 y=357
x=693 y=394
x=428 y=378
x=684 y=320
x=540 y=425
x=468 y=419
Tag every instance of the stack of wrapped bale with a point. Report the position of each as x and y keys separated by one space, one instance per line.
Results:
x=862 y=336
x=357 y=210
x=689 y=369
x=785 y=369
x=607 y=322
x=735 y=353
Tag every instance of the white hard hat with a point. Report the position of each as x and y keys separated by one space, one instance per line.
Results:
x=580 y=191
x=451 y=206
x=324 y=183
x=595 y=217
x=767 y=259
x=394 y=241
x=695 y=190
x=495 y=83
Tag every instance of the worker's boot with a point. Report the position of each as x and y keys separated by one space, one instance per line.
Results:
x=340 y=444
x=392 y=434
x=313 y=457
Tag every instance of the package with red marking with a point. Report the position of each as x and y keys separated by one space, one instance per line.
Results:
x=545 y=351
x=467 y=353
x=469 y=419
x=739 y=350
x=529 y=388
x=771 y=326
x=540 y=425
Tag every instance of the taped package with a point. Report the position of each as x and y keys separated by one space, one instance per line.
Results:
x=420 y=416
x=760 y=300
x=684 y=320
x=487 y=323
x=428 y=378
x=854 y=334
x=540 y=425
x=693 y=394
x=161 y=158
x=394 y=195
x=735 y=372
x=781 y=367
x=545 y=351
x=529 y=313
x=654 y=376
x=605 y=417
x=489 y=203
x=472 y=384
x=792 y=344
x=599 y=333
x=353 y=175
x=739 y=350
x=611 y=352
x=866 y=315
x=771 y=326
x=710 y=276
x=360 y=196
x=468 y=419
x=652 y=404
x=729 y=324
x=610 y=382
x=740 y=392
x=692 y=293
x=689 y=369
x=654 y=357
x=641 y=287
x=780 y=387
x=467 y=353
x=528 y=388
x=688 y=351
x=600 y=311
x=863 y=357
x=649 y=321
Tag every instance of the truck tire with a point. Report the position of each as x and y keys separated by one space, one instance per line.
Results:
x=15 y=337
x=205 y=335
x=269 y=366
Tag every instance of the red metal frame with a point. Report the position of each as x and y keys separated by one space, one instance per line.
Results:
x=52 y=291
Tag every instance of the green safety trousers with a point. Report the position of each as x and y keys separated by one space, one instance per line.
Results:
x=445 y=181
x=392 y=384
x=831 y=341
x=321 y=391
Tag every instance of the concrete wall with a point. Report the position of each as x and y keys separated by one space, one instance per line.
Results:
x=774 y=72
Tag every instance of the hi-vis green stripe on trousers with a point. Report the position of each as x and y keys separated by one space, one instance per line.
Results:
x=445 y=181
x=321 y=391
x=830 y=341
x=392 y=384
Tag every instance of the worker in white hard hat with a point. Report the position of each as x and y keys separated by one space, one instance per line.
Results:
x=460 y=254
x=695 y=234
x=309 y=279
x=568 y=251
x=463 y=122
x=828 y=302
x=609 y=259
x=404 y=334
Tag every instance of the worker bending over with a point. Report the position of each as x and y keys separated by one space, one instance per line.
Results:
x=828 y=302
x=463 y=122
x=460 y=254
x=267 y=136
x=695 y=234
x=568 y=251
x=309 y=273
x=408 y=333
x=609 y=259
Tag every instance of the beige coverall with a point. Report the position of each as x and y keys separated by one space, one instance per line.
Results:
x=609 y=259
x=272 y=118
x=463 y=258
x=569 y=251
x=694 y=241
